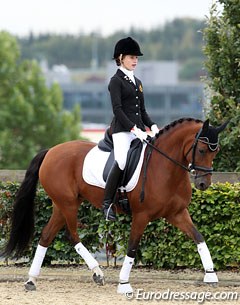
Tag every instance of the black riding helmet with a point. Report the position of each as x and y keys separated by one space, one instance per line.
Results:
x=126 y=46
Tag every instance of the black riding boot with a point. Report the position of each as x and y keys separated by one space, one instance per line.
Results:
x=110 y=190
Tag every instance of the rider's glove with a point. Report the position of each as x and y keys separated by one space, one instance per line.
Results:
x=154 y=129
x=139 y=133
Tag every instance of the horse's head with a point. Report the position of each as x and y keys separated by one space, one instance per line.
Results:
x=204 y=150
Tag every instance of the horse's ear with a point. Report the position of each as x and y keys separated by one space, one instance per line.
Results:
x=222 y=127
x=205 y=126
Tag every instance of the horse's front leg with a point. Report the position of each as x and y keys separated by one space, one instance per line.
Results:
x=139 y=223
x=184 y=222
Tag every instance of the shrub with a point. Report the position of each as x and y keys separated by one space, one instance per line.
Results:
x=215 y=212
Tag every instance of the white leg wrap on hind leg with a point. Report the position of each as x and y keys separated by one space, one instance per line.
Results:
x=86 y=255
x=205 y=256
x=126 y=269
x=37 y=261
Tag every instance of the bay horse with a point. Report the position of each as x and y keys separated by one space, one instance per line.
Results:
x=185 y=145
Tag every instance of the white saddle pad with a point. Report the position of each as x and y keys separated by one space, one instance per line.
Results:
x=94 y=164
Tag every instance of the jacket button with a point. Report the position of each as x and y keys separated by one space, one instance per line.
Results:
x=136 y=113
x=136 y=105
x=136 y=97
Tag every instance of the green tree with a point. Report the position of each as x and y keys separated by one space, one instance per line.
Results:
x=179 y=40
x=31 y=114
x=222 y=49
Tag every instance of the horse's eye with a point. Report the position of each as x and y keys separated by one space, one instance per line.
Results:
x=202 y=151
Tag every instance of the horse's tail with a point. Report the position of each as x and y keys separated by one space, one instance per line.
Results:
x=22 y=222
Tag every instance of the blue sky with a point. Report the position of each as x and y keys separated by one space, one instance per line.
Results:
x=103 y=16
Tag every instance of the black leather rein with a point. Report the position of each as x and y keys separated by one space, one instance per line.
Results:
x=192 y=168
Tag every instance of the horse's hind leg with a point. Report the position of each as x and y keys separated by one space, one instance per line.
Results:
x=58 y=219
x=55 y=223
x=70 y=214
x=184 y=222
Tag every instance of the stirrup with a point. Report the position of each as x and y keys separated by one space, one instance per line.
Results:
x=110 y=216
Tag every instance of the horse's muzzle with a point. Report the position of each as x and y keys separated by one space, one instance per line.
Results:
x=202 y=182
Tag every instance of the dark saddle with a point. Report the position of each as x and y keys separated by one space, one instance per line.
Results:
x=133 y=157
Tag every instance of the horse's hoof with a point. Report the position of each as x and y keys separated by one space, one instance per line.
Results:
x=125 y=288
x=30 y=286
x=211 y=278
x=98 y=279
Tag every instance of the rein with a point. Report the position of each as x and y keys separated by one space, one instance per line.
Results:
x=192 y=168
x=166 y=156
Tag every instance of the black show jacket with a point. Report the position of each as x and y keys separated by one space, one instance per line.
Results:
x=127 y=104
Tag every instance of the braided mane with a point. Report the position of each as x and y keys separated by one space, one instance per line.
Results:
x=176 y=122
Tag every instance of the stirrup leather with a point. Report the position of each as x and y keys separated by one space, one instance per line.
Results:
x=109 y=212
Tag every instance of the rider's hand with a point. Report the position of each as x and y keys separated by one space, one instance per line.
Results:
x=154 y=129
x=139 y=133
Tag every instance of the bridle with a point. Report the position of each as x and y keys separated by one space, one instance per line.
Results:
x=192 y=168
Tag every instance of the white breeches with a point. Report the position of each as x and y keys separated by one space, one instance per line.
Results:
x=121 y=144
